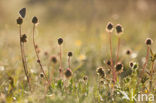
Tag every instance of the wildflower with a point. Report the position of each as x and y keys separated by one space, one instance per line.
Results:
x=54 y=59
x=41 y=75
x=108 y=62
x=148 y=41
x=128 y=52
x=85 y=78
x=19 y=20
x=24 y=38
x=68 y=73
x=135 y=67
x=119 y=67
x=100 y=72
x=109 y=27
x=60 y=41
x=34 y=20
x=70 y=54
x=119 y=29
x=131 y=64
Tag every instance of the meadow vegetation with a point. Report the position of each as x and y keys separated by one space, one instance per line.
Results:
x=51 y=54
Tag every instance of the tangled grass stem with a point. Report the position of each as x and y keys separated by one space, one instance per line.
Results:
x=24 y=58
x=38 y=59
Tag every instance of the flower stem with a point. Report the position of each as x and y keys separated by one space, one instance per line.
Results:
x=38 y=59
x=111 y=56
x=23 y=57
x=147 y=55
x=117 y=54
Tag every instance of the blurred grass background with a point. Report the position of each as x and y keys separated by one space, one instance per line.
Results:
x=81 y=24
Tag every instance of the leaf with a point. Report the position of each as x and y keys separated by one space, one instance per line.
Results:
x=22 y=12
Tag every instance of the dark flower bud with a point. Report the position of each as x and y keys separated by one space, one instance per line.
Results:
x=68 y=73
x=119 y=67
x=35 y=20
x=148 y=41
x=19 y=20
x=70 y=54
x=100 y=72
x=24 y=38
x=85 y=78
x=41 y=75
x=119 y=29
x=135 y=67
x=108 y=62
x=54 y=59
x=60 y=41
x=38 y=61
x=109 y=27
x=128 y=52
x=131 y=64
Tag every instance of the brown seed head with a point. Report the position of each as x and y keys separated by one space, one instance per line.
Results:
x=68 y=73
x=34 y=20
x=60 y=41
x=109 y=27
x=19 y=21
x=119 y=29
x=148 y=41
x=118 y=67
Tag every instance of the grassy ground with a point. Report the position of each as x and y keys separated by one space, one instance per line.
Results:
x=86 y=76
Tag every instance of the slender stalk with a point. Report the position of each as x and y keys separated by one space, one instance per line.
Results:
x=60 y=69
x=69 y=61
x=117 y=54
x=147 y=55
x=38 y=59
x=23 y=57
x=151 y=74
x=111 y=56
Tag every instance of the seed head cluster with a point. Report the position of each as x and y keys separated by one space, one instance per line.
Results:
x=34 y=20
x=54 y=59
x=24 y=38
x=100 y=72
x=60 y=41
x=118 y=67
x=68 y=73
x=109 y=27
x=70 y=54
x=148 y=41
x=119 y=29
x=19 y=21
